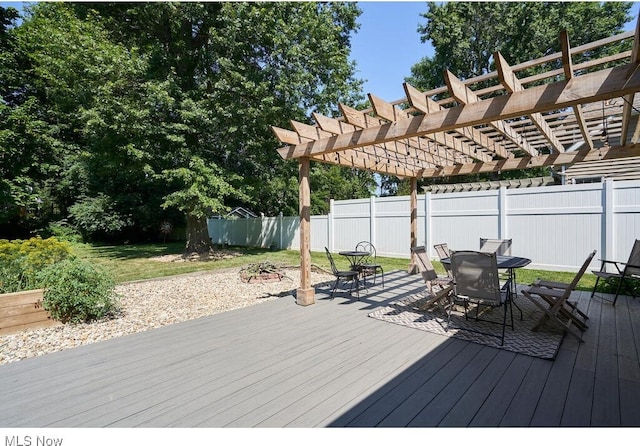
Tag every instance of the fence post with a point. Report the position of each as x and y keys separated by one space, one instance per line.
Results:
x=372 y=220
x=503 y=232
x=246 y=232
x=280 y=230
x=330 y=226
x=428 y=235
x=608 y=229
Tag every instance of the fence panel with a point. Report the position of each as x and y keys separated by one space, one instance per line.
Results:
x=392 y=234
x=351 y=223
x=555 y=226
x=460 y=219
x=626 y=219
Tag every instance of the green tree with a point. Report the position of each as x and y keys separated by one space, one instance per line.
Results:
x=105 y=103
x=225 y=72
x=465 y=35
x=334 y=182
x=26 y=148
x=201 y=192
x=76 y=118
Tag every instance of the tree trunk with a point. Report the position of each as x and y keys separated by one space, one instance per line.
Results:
x=198 y=241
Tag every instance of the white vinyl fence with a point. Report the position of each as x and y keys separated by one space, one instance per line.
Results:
x=555 y=226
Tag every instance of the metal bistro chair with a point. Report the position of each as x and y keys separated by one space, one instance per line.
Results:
x=369 y=266
x=475 y=279
x=344 y=275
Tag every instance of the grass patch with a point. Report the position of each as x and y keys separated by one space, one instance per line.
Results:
x=136 y=262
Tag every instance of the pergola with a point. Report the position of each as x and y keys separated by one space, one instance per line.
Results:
x=564 y=108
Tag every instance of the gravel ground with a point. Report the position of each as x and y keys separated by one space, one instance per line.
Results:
x=152 y=304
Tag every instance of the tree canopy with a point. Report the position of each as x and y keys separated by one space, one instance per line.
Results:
x=118 y=116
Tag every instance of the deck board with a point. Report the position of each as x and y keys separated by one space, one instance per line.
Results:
x=497 y=404
x=467 y=407
x=606 y=396
x=278 y=364
x=579 y=399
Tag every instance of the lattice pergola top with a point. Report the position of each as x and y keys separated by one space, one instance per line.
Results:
x=575 y=108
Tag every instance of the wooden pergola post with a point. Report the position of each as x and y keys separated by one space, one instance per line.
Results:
x=414 y=224
x=305 y=294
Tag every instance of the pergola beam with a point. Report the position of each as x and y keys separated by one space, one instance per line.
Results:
x=361 y=158
x=567 y=65
x=465 y=96
x=409 y=146
x=554 y=159
x=391 y=113
x=592 y=87
x=421 y=157
x=509 y=80
x=427 y=105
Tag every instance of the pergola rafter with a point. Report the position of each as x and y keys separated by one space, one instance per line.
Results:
x=568 y=75
x=424 y=104
x=560 y=109
x=511 y=83
x=447 y=141
x=465 y=96
x=423 y=157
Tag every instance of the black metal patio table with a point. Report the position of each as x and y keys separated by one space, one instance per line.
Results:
x=354 y=257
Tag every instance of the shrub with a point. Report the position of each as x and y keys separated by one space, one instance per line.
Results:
x=63 y=231
x=77 y=292
x=20 y=261
x=610 y=286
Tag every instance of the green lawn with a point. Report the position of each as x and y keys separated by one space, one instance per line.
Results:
x=134 y=262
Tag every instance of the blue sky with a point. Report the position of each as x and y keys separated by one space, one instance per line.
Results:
x=388 y=44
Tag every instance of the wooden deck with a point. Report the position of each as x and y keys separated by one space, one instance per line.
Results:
x=278 y=364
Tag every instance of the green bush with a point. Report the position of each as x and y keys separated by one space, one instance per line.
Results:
x=20 y=261
x=77 y=292
x=63 y=231
x=611 y=285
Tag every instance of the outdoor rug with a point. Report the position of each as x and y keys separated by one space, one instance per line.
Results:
x=543 y=343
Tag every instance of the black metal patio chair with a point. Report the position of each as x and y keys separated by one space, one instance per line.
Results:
x=344 y=275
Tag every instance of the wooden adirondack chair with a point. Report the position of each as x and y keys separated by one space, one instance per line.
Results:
x=553 y=299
